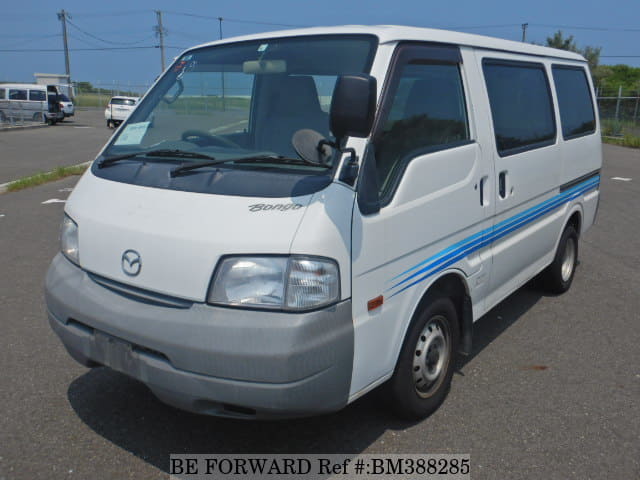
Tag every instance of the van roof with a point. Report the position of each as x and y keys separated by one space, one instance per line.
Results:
x=32 y=86
x=396 y=33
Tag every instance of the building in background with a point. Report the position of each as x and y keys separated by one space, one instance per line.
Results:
x=59 y=79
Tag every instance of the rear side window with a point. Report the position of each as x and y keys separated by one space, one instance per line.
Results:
x=574 y=99
x=427 y=113
x=2 y=92
x=521 y=105
x=17 y=94
x=37 y=95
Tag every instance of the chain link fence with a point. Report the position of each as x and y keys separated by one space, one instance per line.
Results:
x=97 y=95
x=19 y=114
x=619 y=111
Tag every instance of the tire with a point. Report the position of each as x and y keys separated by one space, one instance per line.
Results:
x=558 y=276
x=109 y=124
x=422 y=376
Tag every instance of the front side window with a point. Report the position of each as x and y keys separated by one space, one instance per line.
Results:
x=427 y=113
x=240 y=103
x=37 y=95
x=521 y=105
x=2 y=93
x=17 y=94
x=574 y=99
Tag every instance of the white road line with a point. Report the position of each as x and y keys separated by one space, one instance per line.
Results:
x=68 y=189
x=1 y=215
x=230 y=125
x=53 y=200
x=622 y=179
x=82 y=127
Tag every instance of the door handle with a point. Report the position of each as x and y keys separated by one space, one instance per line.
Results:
x=502 y=184
x=483 y=187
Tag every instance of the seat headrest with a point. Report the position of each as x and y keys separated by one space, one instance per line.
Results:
x=296 y=94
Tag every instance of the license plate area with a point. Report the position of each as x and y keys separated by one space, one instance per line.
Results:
x=113 y=352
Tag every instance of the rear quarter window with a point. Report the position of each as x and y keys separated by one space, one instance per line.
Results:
x=574 y=100
x=37 y=95
x=521 y=105
x=15 y=94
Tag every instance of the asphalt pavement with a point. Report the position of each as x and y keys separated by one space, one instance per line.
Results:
x=551 y=391
x=78 y=139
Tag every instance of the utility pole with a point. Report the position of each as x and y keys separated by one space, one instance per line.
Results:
x=160 y=33
x=62 y=16
x=224 y=106
x=524 y=31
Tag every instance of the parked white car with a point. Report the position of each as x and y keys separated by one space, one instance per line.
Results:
x=119 y=109
x=66 y=105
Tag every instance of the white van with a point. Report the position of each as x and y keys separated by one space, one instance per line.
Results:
x=30 y=102
x=290 y=220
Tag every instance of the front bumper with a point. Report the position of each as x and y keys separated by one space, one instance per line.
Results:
x=205 y=359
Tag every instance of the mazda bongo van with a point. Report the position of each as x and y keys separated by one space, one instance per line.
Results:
x=287 y=221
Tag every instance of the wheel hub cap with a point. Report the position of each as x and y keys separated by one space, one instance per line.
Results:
x=568 y=260
x=431 y=356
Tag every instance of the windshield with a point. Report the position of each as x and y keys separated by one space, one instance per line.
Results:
x=64 y=98
x=245 y=99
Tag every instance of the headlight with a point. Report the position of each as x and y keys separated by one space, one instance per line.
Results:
x=69 y=240
x=287 y=283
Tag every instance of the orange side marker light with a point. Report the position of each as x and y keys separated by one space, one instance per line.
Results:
x=375 y=303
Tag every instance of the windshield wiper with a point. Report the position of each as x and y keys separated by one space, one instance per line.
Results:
x=257 y=159
x=105 y=162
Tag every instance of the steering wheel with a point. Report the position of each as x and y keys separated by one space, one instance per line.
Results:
x=202 y=138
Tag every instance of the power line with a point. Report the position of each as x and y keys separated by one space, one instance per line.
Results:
x=575 y=27
x=102 y=39
x=113 y=14
x=96 y=49
x=233 y=20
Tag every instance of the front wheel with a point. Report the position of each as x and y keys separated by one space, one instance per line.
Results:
x=423 y=373
x=558 y=276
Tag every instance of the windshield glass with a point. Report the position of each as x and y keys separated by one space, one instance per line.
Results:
x=245 y=99
x=64 y=98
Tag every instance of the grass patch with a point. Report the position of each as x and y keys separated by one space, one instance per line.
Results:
x=626 y=141
x=45 y=177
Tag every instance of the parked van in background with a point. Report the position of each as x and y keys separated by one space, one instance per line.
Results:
x=31 y=102
x=66 y=105
x=290 y=220
x=118 y=109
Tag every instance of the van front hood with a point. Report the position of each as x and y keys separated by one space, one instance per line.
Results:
x=179 y=236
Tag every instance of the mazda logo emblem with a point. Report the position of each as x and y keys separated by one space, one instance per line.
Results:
x=131 y=263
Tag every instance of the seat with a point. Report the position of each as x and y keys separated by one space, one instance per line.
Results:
x=293 y=105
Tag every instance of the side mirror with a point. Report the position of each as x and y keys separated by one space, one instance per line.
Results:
x=353 y=106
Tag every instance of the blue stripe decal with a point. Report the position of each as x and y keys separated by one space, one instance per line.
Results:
x=460 y=250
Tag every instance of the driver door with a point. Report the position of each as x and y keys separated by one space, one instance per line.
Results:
x=431 y=179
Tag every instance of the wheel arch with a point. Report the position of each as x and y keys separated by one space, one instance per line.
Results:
x=574 y=217
x=453 y=284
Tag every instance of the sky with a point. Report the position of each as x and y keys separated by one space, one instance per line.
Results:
x=111 y=29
